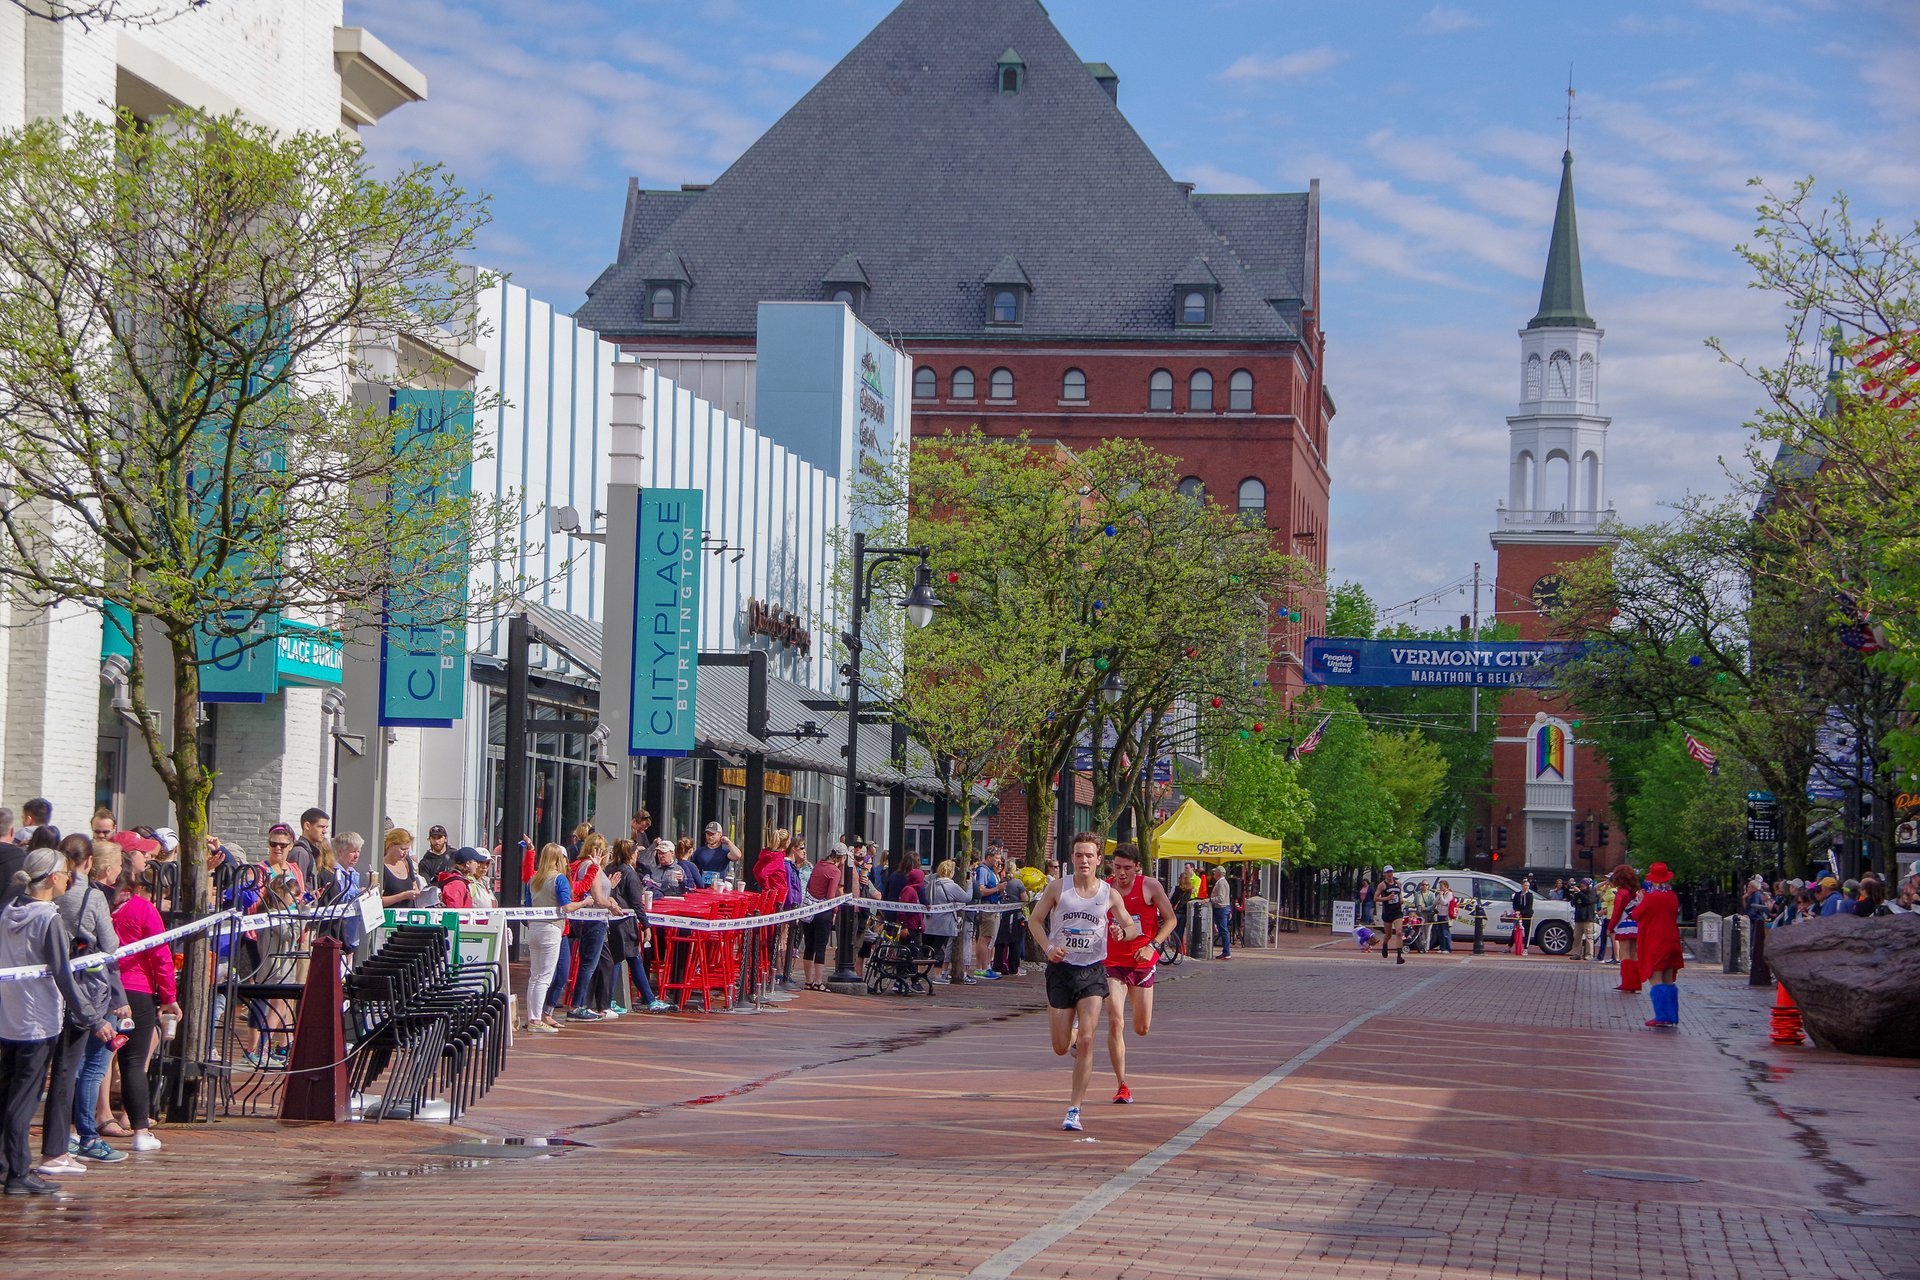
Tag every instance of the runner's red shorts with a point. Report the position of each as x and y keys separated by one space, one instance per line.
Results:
x=1141 y=976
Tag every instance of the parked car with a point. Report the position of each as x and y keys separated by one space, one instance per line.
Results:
x=1553 y=930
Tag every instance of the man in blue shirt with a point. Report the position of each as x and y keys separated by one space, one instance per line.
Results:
x=1827 y=894
x=716 y=855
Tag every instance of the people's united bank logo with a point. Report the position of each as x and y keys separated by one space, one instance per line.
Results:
x=1338 y=662
x=870 y=374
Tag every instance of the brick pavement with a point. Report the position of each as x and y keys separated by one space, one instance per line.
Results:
x=1469 y=1114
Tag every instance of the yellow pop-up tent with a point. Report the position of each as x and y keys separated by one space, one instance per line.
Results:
x=1193 y=832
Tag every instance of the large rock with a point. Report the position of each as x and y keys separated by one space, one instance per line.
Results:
x=1856 y=980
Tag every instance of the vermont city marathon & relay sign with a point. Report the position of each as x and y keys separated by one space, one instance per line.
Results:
x=1506 y=664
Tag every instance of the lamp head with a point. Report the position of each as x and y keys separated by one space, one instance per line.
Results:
x=921 y=602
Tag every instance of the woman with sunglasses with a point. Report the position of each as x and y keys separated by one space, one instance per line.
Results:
x=280 y=863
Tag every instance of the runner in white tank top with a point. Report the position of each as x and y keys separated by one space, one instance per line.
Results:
x=1069 y=923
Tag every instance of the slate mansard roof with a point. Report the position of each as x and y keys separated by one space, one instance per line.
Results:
x=907 y=157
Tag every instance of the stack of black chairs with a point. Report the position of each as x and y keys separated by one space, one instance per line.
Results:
x=433 y=1027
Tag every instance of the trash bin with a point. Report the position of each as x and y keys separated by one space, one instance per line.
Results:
x=1254 y=932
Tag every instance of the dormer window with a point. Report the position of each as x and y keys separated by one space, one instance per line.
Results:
x=1007 y=288
x=847 y=283
x=1194 y=294
x=667 y=285
x=1010 y=73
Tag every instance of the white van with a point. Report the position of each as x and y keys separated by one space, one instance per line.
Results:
x=1553 y=930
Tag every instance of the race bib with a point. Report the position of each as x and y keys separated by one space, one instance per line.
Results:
x=1082 y=940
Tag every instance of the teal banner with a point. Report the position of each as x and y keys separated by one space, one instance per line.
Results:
x=423 y=642
x=236 y=646
x=308 y=654
x=666 y=622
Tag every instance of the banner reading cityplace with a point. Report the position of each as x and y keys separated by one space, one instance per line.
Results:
x=1383 y=664
x=666 y=622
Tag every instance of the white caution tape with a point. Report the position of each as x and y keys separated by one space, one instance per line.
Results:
x=949 y=908
x=253 y=924
x=659 y=916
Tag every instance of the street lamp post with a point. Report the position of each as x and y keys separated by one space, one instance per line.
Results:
x=920 y=604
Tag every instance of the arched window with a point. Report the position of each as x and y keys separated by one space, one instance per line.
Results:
x=1073 y=386
x=1586 y=377
x=1524 y=480
x=1531 y=390
x=1192 y=488
x=1193 y=307
x=1200 y=392
x=1006 y=306
x=1253 y=501
x=662 y=304
x=1160 y=391
x=1590 y=481
x=1560 y=376
x=963 y=384
x=926 y=383
x=1240 y=392
x=1000 y=385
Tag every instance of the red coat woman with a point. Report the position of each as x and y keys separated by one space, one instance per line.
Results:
x=1658 y=915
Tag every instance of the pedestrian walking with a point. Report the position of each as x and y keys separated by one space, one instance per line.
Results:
x=1221 y=900
x=551 y=889
x=1070 y=924
x=1658 y=916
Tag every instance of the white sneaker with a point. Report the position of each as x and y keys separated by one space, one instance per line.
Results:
x=143 y=1140
x=1072 y=1123
x=63 y=1166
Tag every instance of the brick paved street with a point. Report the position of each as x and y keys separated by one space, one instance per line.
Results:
x=1311 y=1112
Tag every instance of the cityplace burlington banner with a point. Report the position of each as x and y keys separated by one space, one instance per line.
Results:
x=666 y=622
x=423 y=642
x=1402 y=663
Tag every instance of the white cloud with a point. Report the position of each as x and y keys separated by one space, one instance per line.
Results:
x=1444 y=20
x=1286 y=66
x=791 y=63
x=1215 y=180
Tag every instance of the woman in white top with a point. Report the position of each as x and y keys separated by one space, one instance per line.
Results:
x=1076 y=915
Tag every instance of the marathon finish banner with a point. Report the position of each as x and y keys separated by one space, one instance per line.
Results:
x=1394 y=664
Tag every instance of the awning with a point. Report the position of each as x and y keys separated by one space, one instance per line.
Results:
x=1193 y=832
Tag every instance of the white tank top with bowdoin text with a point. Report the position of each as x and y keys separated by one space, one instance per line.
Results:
x=1079 y=923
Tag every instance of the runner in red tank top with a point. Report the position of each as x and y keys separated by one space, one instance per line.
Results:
x=1130 y=976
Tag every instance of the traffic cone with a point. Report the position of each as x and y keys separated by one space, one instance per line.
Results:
x=1786 y=1018
x=1629 y=975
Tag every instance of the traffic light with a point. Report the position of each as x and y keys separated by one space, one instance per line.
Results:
x=1500 y=840
x=1479 y=837
x=1606 y=835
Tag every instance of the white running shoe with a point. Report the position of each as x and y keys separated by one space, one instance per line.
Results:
x=1072 y=1123
x=145 y=1141
x=62 y=1166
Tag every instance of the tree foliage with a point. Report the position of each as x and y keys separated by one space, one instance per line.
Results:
x=184 y=305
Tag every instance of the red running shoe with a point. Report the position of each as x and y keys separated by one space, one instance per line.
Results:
x=1125 y=1095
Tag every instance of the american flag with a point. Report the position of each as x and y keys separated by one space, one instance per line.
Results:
x=1698 y=750
x=1890 y=367
x=1312 y=740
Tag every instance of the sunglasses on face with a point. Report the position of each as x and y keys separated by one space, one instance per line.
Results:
x=279 y=844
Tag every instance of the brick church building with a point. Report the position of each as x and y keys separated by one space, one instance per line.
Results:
x=969 y=187
x=1549 y=804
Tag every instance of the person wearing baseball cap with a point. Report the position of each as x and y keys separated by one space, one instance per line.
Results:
x=438 y=857
x=716 y=855
x=1826 y=892
x=477 y=867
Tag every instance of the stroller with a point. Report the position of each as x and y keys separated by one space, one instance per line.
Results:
x=895 y=959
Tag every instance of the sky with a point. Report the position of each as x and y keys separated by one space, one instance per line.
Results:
x=1435 y=131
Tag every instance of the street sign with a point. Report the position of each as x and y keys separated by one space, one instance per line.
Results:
x=1763 y=816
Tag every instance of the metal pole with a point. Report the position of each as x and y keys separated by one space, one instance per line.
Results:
x=843 y=970
x=513 y=774
x=1474 y=715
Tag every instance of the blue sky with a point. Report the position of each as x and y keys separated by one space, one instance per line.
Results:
x=1434 y=130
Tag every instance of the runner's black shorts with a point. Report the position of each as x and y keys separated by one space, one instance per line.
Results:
x=1389 y=912
x=1069 y=984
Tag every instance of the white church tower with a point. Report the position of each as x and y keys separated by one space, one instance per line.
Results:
x=1557 y=442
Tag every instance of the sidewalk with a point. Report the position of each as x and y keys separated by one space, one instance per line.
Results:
x=1310 y=1111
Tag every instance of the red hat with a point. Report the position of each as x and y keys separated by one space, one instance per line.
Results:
x=134 y=842
x=1658 y=873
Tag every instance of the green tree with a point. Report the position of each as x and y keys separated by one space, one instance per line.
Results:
x=1251 y=783
x=183 y=305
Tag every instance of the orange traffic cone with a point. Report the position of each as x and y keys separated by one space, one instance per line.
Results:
x=1786 y=1018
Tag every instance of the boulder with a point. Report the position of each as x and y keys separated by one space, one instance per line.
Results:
x=1856 y=980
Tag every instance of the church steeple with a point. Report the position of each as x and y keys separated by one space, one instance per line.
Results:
x=1563 y=298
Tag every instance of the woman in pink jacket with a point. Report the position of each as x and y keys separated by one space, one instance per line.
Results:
x=148 y=978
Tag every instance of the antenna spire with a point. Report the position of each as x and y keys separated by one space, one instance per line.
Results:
x=1570 y=117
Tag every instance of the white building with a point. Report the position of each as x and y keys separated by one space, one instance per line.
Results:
x=291 y=65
